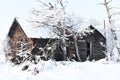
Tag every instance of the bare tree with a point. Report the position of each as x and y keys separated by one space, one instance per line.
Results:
x=54 y=15
x=112 y=33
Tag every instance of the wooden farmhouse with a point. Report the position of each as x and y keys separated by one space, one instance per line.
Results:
x=91 y=43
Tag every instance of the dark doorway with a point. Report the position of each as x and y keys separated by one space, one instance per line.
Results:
x=58 y=56
x=88 y=49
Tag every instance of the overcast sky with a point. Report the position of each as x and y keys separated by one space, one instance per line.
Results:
x=9 y=9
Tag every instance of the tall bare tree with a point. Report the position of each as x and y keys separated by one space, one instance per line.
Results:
x=110 y=21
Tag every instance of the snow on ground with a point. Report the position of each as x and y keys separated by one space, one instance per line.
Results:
x=51 y=70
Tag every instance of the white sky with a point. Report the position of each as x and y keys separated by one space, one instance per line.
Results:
x=21 y=8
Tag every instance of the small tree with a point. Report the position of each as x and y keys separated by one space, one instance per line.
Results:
x=23 y=53
x=6 y=48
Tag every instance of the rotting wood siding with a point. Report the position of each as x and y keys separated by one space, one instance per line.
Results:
x=82 y=49
x=98 y=51
x=97 y=46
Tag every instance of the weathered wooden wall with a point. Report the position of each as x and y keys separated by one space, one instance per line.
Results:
x=16 y=34
x=97 y=44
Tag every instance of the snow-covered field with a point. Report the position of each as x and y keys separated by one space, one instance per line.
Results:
x=51 y=70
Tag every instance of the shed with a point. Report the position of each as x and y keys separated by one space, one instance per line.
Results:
x=92 y=44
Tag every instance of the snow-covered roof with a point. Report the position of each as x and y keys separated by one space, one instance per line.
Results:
x=33 y=31
x=85 y=28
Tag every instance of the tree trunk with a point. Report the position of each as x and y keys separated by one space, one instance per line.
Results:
x=113 y=34
x=76 y=48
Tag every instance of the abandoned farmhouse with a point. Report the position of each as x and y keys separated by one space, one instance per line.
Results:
x=91 y=44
